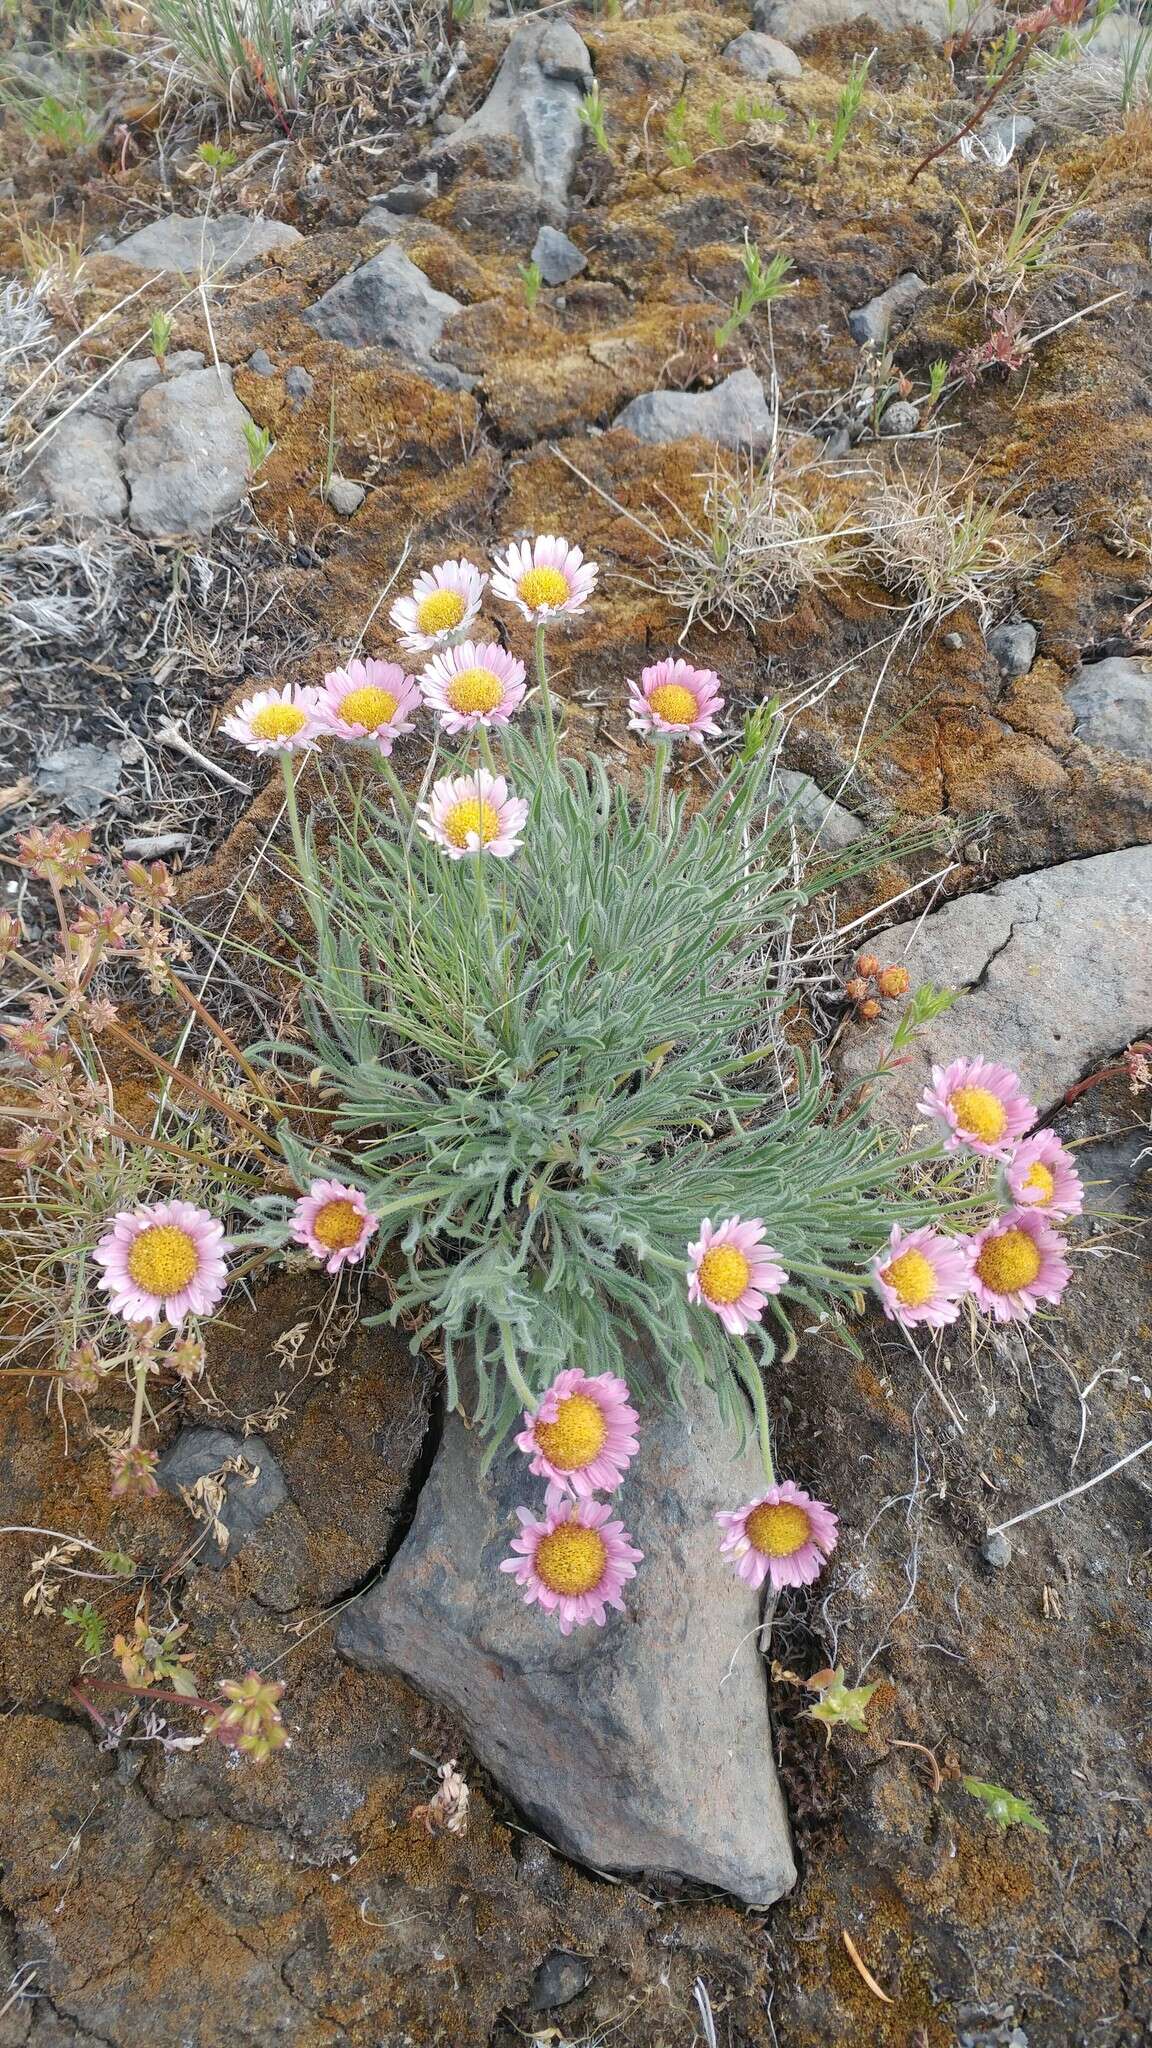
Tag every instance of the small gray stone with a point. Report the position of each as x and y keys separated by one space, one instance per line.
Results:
x=996 y=1550
x=261 y=364
x=832 y=827
x=250 y=1496
x=448 y=124
x=386 y=302
x=409 y=198
x=83 y=778
x=536 y=98
x=795 y=19
x=1013 y=647
x=734 y=413
x=1054 y=970
x=642 y=1745
x=761 y=56
x=1112 y=701
x=298 y=383
x=873 y=321
x=185 y=455
x=556 y=257
x=899 y=418
x=344 y=495
x=952 y=641
x=79 y=471
x=191 y=242
x=559 y=1980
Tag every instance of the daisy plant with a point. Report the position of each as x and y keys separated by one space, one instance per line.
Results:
x=547 y=1027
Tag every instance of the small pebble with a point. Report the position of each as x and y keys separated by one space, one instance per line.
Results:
x=996 y=1550
x=344 y=496
x=900 y=418
x=953 y=641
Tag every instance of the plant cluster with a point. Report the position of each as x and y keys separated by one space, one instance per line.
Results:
x=556 y=1126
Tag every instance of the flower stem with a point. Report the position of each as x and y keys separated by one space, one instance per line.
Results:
x=288 y=770
x=399 y=794
x=659 y=771
x=138 y=1404
x=752 y=1375
x=541 y=665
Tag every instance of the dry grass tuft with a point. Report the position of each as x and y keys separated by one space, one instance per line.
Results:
x=939 y=547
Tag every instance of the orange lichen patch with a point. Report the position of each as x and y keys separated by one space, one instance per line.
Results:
x=397 y=433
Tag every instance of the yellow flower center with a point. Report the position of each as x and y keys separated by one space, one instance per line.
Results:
x=1039 y=1177
x=278 y=722
x=912 y=1277
x=370 y=707
x=475 y=689
x=338 y=1224
x=778 y=1531
x=539 y=587
x=163 y=1260
x=440 y=612
x=577 y=1435
x=1008 y=1262
x=724 y=1273
x=675 y=703
x=472 y=816
x=571 y=1559
x=979 y=1114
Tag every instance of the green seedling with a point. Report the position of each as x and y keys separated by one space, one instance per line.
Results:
x=763 y=282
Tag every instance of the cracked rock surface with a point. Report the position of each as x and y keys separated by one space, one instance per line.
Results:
x=1055 y=973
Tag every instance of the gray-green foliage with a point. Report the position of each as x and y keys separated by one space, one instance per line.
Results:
x=545 y=1071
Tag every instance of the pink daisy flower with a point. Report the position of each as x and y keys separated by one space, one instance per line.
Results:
x=275 y=721
x=921 y=1277
x=581 y=1436
x=441 y=608
x=333 y=1220
x=733 y=1270
x=1016 y=1264
x=368 y=701
x=163 y=1259
x=983 y=1105
x=783 y=1535
x=574 y=1560
x=1040 y=1174
x=674 y=697
x=473 y=685
x=474 y=813
x=544 y=577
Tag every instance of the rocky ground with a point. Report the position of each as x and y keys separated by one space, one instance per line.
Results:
x=360 y=283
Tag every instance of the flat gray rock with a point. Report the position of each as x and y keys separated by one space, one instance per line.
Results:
x=385 y=303
x=127 y=385
x=734 y=413
x=185 y=455
x=644 y=1745
x=792 y=20
x=830 y=824
x=764 y=57
x=1056 y=974
x=1112 y=701
x=191 y=242
x=873 y=321
x=535 y=99
x=82 y=778
x=250 y=1496
x=1013 y=647
x=79 y=472
x=556 y=256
